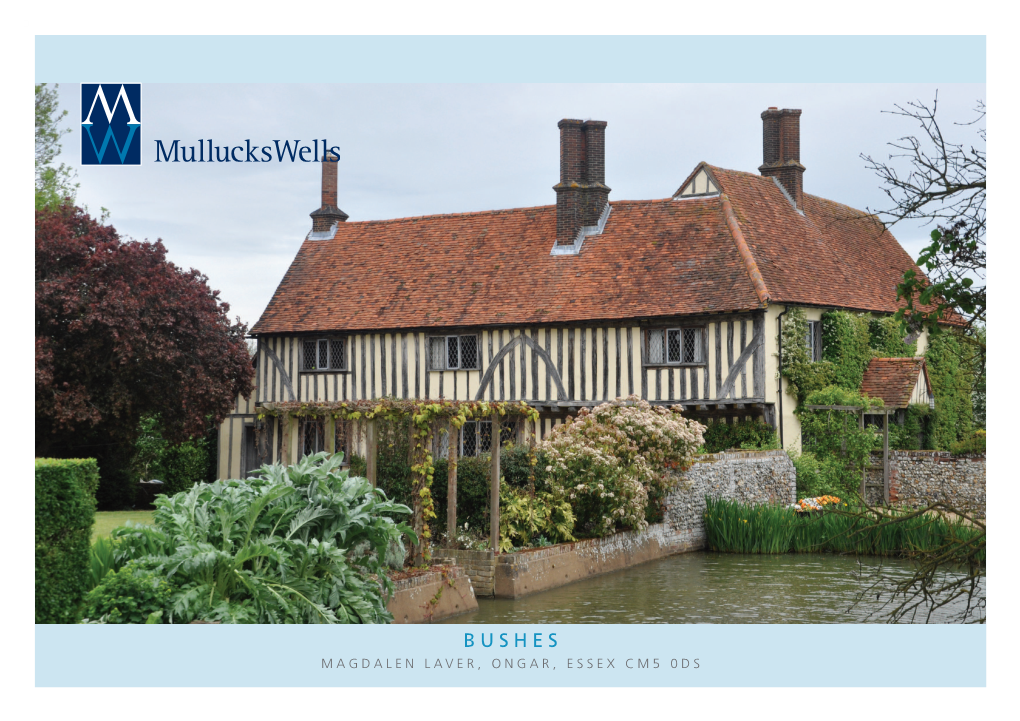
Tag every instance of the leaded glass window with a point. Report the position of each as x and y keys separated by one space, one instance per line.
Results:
x=675 y=346
x=324 y=354
x=453 y=352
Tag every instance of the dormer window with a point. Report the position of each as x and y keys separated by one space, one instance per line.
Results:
x=702 y=184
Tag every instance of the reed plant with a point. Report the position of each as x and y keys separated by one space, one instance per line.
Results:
x=734 y=527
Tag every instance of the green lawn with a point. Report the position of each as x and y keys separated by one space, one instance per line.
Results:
x=106 y=521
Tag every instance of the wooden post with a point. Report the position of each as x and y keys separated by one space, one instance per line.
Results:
x=494 y=493
x=867 y=462
x=287 y=430
x=885 y=459
x=330 y=431
x=372 y=452
x=451 y=487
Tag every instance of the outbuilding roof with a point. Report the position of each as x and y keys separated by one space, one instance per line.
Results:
x=893 y=380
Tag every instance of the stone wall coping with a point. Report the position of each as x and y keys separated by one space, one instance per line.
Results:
x=735 y=455
x=427 y=578
x=529 y=554
x=933 y=454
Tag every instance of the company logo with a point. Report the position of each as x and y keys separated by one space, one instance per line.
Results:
x=111 y=134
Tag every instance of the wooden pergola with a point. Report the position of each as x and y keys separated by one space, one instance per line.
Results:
x=367 y=411
x=861 y=411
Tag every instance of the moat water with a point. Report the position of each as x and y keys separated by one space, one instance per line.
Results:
x=706 y=587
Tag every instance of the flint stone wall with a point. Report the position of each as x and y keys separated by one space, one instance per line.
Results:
x=920 y=478
x=745 y=476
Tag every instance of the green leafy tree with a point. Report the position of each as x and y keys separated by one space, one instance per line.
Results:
x=54 y=184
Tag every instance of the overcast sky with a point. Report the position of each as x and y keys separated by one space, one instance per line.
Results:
x=410 y=150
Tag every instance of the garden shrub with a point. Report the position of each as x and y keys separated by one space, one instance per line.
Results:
x=474 y=485
x=517 y=466
x=524 y=519
x=810 y=479
x=134 y=594
x=304 y=543
x=118 y=484
x=615 y=463
x=180 y=466
x=755 y=434
x=974 y=444
x=65 y=509
x=473 y=492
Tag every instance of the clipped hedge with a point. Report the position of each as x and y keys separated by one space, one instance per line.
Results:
x=65 y=509
x=753 y=434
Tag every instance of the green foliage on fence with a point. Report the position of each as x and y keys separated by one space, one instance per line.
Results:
x=836 y=439
x=65 y=509
x=753 y=434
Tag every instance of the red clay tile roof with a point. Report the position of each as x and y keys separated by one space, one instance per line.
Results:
x=655 y=258
x=893 y=380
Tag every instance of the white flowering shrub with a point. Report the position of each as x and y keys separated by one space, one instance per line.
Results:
x=615 y=462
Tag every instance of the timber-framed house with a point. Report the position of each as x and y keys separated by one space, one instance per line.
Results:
x=678 y=300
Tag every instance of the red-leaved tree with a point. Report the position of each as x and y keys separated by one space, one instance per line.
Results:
x=121 y=332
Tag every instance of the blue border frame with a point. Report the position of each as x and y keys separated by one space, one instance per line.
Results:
x=497 y=59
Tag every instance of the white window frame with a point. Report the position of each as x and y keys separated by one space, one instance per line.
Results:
x=701 y=345
x=813 y=340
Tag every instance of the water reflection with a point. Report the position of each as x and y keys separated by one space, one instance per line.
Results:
x=717 y=588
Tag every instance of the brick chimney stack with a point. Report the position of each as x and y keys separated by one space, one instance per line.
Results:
x=781 y=151
x=328 y=213
x=582 y=192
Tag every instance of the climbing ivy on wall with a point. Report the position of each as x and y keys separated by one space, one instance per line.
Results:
x=846 y=343
x=886 y=338
x=951 y=369
x=849 y=342
x=802 y=375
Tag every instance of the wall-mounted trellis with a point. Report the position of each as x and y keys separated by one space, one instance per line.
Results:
x=425 y=416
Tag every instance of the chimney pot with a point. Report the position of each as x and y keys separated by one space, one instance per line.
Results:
x=582 y=193
x=328 y=213
x=781 y=151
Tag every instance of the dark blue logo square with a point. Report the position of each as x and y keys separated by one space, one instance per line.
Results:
x=111 y=124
